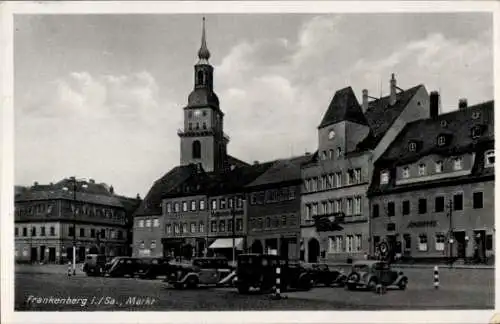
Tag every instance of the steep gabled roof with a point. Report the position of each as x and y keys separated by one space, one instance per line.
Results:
x=380 y=115
x=284 y=170
x=457 y=127
x=343 y=107
x=236 y=179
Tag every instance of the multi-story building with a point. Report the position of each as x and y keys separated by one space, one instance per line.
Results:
x=273 y=206
x=49 y=219
x=350 y=138
x=432 y=193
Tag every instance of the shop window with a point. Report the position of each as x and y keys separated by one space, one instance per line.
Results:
x=422 y=206
x=222 y=226
x=439 y=204
x=213 y=226
x=458 y=202
x=440 y=239
x=406 y=207
x=422 y=242
x=375 y=210
x=391 y=210
x=477 y=200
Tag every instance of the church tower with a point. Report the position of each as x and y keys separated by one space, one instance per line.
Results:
x=203 y=140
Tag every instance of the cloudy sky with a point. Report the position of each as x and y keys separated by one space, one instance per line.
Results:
x=101 y=96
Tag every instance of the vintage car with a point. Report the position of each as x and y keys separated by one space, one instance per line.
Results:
x=121 y=267
x=368 y=274
x=258 y=271
x=209 y=271
x=94 y=264
x=152 y=267
x=322 y=274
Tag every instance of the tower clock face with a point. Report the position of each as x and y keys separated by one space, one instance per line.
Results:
x=197 y=113
x=331 y=134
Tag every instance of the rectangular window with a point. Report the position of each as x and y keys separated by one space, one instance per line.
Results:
x=338 y=205
x=177 y=228
x=92 y=233
x=308 y=212
x=315 y=209
x=406 y=172
x=103 y=233
x=283 y=220
x=422 y=170
x=184 y=227
x=357 y=206
x=406 y=207
x=375 y=211
x=71 y=231
x=231 y=202
x=141 y=244
x=458 y=202
x=193 y=227
x=120 y=235
x=439 y=166
x=338 y=179
x=156 y=222
x=201 y=227
x=140 y=223
x=458 y=163
x=148 y=222
x=357 y=175
x=349 y=206
x=193 y=205
x=331 y=181
x=239 y=203
x=176 y=207
x=324 y=208
x=230 y=226
x=213 y=226
x=440 y=239
x=422 y=206
x=358 y=242
x=306 y=185
x=153 y=244
x=331 y=207
x=222 y=203
x=391 y=209
x=52 y=231
x=16 y=231
x=42 y=231
x=184 y=206
x=349 y=243
x=439 y=204
x=477 y=200
x=407 y=240
x=169 y=207
x=202 y=204
x=239 y=225
x=222 y=226
x=168 y=229
x=214 y=204
x=422 y=243
x=349 y=177
x=489 y=159
x=291 y=193
x=489 y=242
x=335 y=244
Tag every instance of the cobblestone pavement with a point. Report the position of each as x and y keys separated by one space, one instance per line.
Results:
x=459 y=289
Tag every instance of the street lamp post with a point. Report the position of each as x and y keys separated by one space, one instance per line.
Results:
x=450 y=235
x=233 y=214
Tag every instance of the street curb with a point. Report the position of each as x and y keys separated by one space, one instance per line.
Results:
x=423 y=266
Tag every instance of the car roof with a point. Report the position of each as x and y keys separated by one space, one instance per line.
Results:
x=367 y=262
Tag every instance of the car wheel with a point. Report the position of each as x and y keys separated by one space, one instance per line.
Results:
x=192 y=282
x=402 y=284
x=243 y=289
x=372 y=284
x=305 y=284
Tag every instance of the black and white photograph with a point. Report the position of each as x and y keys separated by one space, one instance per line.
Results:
x=249 y=158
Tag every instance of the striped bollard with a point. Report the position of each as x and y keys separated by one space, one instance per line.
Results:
x=436 y=277
x=70 y=271
x=278 y=282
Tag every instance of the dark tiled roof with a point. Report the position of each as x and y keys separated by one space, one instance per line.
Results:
x=202 y=97
x=381 y=115
x=457 y=126
x=231 y=160
x=169 y=183
x=94 y=193
x=343 y=107
x=130 y=205
x=284 y=170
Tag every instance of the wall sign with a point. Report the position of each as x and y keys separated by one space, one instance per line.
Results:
x=417 y=224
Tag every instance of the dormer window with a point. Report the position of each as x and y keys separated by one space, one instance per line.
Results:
x=444 y=123
x=412 y=147
x=439 y=166
x=476 y=132
x=476 y=115
x=458 y=163
x=384 y=177
x=406 y=172
x=441 y=140
x=489 y=159
x=422 y=170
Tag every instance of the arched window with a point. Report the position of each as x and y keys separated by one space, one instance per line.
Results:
x=200 y=78
x=196 y=150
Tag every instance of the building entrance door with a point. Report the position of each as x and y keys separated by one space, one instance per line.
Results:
x=479 y=245
x=461 y=244
x=313 y=250
x=34 y=254
x=81 y=253
x=52 y=254
x=42 y=253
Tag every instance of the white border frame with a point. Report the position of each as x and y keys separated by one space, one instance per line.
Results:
x=8 y=9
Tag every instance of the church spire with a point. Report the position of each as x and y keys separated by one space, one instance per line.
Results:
x=203 y=53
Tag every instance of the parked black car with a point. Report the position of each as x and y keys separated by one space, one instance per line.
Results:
x=122 y=266
x=322 y=274
x=209 y=271
x=94 y=264
x=152 y=267
x=259 y=271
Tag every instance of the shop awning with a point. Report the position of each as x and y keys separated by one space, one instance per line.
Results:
x=227 y=243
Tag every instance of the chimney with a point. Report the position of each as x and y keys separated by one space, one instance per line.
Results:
x=111 y=190
x=462 y=103
x=138 y=197
x=308 y=153
x=365 y=100
x=392 y=98
x=255 y=162
x=35 y=183
x=91 y=181
x=434 y=104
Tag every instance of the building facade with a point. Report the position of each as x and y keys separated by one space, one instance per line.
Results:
x=50 y=218
x=335 y=183
x=432 y=194
x=273 y=201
